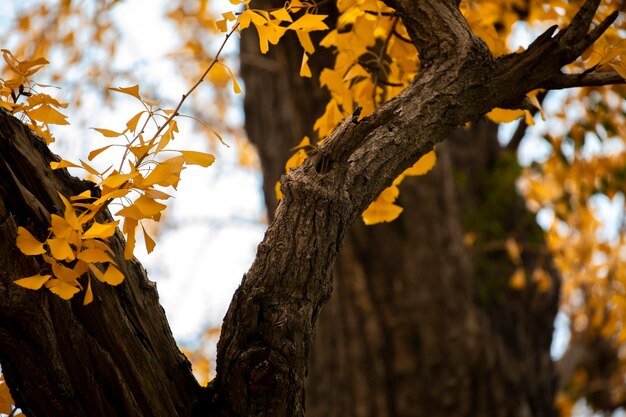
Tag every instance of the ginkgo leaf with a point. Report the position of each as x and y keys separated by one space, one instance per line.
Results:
x=423 y=165
x=91 y=169
x=60 y=249
x=88 y=293
x=113 y=276
x=131 y=91
x=27 y=243
x=60 y=227
x=304 y=143
x=68 y=275
x=115 y=180
x=97 y=152
x=389 y=194
x=198 y=158
x=236 y=88
x=282 y=15
x=309 y=22
x=61 y=288
x=107 y=133
x=279 y=194
x=166 y=173
x=130 y=225
x=296 y=160
x=94 y=255
x=82 y=196
x=111 y=195
x=156 y=194
x=34 y=282
x=100 y=230
x=380 y=211
x=49 y=115
x=149 y=242
x=148 y=206
x=69 y=214
x=504 y=115
x=63 y=164
x=131 y=125
x=305 y=41
x=305 y=71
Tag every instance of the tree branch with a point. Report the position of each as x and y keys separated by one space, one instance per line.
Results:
x=593 y=79
x=267 y=332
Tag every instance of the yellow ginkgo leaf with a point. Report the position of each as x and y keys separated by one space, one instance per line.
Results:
x=113 y=276
x=423 y=165
x=61 y=249
x=61 y=288
x=94 y=255
x=236 y=88
x=131 y=91
x=149 y=242
x=27 y=243
x=107 y=133
x=97 y=152
x=148 y=206
x=70 y=214
x=88 y=294
x=305 y=41
x=34 y=282
x=100 y=230
x=114 y=180
x=63 y=164
x=504 y=115
x=309 y=22
x=198 y=158
x=282 y=15
x=279 y=194
x=130 y=225
x=47 y=114
x=380 y=211
x=296 y=160
x=305 y=70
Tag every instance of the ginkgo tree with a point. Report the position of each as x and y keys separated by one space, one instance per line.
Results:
x=386 y=131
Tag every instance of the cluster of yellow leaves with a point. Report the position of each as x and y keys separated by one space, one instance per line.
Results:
x=375 y=61
x=18 y=96
x=76 y=245
x=270 y=25
x=63 y=28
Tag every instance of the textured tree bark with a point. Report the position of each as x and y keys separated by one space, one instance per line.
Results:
x=114 y=357
x=418 y=324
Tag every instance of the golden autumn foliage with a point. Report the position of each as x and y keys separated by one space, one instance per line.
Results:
x=374 y=61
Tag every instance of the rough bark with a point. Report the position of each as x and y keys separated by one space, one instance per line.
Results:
x=419 y=324
x=395 y=338
x=115 y=356
x=118 y=358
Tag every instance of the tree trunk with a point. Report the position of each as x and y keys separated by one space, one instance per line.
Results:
x=418 y=324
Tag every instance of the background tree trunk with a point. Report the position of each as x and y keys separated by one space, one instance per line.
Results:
x=419 y=322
